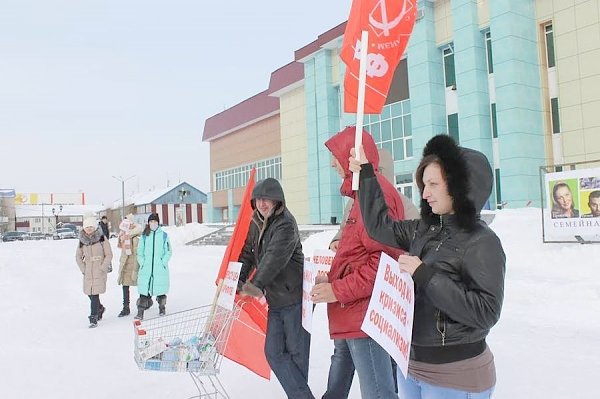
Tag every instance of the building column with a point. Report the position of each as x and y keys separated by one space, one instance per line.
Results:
x=471 y=78
x=322 y=121
x=426 y=84
x=518 y=100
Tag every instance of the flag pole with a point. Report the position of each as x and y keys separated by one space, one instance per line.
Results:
x=360 y=107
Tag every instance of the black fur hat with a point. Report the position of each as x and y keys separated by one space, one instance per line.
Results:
x=468 y=175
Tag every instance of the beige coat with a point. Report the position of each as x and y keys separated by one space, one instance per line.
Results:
x=93 y=258
x=128 y=264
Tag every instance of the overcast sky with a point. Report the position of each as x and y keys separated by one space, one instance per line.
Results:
x=100 y=88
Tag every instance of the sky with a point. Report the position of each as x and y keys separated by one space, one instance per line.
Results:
x=545 y=345
x=95 y=89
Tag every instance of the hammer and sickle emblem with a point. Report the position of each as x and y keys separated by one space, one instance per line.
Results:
x=385 y=24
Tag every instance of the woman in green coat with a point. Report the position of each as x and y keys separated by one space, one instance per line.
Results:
x=153 y=254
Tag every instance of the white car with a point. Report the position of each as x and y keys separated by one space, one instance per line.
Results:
x=60 y=234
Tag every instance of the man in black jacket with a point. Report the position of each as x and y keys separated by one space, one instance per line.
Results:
x=273 y=250
x=104 y=226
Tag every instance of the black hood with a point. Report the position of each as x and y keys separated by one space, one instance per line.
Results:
x=268 y=188
x=469 y=177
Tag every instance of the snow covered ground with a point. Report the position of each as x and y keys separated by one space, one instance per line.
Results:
x=546 y=344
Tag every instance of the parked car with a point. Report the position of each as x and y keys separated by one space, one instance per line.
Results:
x=62 y=233
x=37 y=236
x=15 y=236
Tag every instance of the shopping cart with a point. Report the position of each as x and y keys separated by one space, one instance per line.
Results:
x=191 y=341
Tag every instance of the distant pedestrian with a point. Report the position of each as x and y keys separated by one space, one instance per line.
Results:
x=129 y=237
x=104 y=226
x=93 y=257
x=153 y=254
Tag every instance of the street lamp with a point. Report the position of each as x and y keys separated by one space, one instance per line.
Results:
x=60 y=208
x=120 y=178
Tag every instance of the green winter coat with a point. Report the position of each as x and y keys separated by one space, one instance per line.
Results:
x=93 y=257
x=153 y=254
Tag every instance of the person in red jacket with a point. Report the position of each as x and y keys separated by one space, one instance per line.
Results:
x=350 y=285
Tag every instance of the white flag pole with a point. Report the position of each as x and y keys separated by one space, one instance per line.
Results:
x=360 y=108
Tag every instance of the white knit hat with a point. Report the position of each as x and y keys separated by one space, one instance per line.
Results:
x=90 y=222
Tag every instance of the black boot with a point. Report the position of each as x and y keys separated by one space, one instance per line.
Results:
x=101 y=310
x=93 y=321
x=142 y=304
x=125 y=311
x=162 y=301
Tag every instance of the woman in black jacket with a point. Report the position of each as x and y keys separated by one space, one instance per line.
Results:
x=457 y=264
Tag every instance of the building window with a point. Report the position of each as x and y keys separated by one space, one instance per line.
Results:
x=449 y=70
x=488 y=50
x=392 y=129
x=452 y=120
x=404 y=185
x=238 y=176
x=549 y=35
x=555 y=115
x=494 y=119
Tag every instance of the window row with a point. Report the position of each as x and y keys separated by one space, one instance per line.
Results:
x=238 y=177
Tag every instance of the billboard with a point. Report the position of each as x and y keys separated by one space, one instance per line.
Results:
x=50 y=198
x=572 y=206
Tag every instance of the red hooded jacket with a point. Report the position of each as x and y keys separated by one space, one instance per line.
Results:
x=354 y=266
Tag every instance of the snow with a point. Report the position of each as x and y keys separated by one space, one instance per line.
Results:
x=545 y=344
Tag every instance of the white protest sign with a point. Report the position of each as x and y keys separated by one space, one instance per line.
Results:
x=308 y=282
x=227 y=295
x=389 y=318
x=320 y=265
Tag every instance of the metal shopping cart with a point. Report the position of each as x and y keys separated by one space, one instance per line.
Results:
x=191 y=341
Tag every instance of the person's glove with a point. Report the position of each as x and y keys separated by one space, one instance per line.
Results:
x=250 y=289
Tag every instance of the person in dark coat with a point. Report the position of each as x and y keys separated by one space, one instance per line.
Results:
x=104 y=226
x=457 y=264
x=272 y=265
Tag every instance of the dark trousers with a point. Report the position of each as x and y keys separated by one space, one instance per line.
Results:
x=125 y=295
x=287 y=348
x=94 y=304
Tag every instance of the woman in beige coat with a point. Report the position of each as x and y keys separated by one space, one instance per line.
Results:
x=93 y=257
x=129 y=237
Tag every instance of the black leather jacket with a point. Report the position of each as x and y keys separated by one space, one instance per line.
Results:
x=460 y=285
x=273 y=247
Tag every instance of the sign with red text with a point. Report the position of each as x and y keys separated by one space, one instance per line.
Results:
x=308 y=282
x=389 y=318
x=320 y=266
x=230 y=281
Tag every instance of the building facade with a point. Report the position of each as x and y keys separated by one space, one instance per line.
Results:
x=514 y=79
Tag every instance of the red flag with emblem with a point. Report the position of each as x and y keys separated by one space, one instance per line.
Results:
x=389 y=23
x=247 y=336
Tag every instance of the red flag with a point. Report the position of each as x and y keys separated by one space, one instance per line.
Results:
x=240 y=231
x=389 y=23
x=247 y=337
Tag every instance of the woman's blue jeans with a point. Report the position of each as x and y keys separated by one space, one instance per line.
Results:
x=412 y=388
x=372 y=364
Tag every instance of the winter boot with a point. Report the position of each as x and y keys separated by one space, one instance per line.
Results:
x=101 y=310
x=93 y=321
x=125 y=311
x=162 y=301
x=142 y=304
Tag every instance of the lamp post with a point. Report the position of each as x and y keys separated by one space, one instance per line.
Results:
x=55 y=213
x=120 y=178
